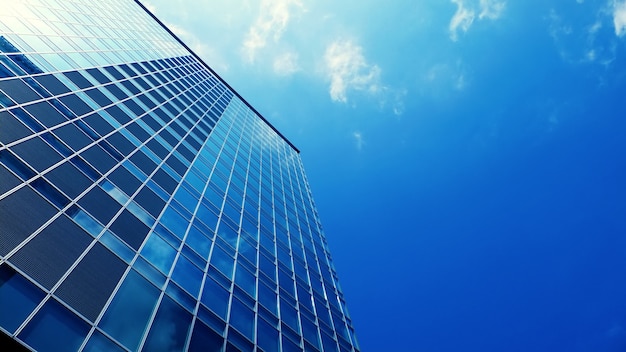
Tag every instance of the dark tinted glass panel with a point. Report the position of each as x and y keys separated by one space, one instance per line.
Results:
x=45 y=113
x=165 y=181
x=131 y=87
x=242 y=318
x=78 y=79
x=99 y=204
x=98 y=97
x=55 y=328
x=47 y=256
x=99 y=76
x=52 y=84
x=138 y=131
x=11 y=129
x=143 y=162
x=267 y=336
x=68 y=179
x=121 y=143
x=22 y=213
x=73 y=136
x=150 y=201
x=187 y=275
x=114 y=72
x=178 y=166
x=75 y=104
x=116 y=91
x=118 y=114
x=169 y=329
x=134 y=107
x=7 y=180
x=157 y=148
x=123 y=179
x=90 y=284
x=99 y=159
x=18 y=298
x=18 y=90
x=37 y=153
x=205 y=339
x=130 y=229
x=98 y=124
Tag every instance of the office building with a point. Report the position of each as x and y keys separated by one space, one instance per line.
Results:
x=145 y=205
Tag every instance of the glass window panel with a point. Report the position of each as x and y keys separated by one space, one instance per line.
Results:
x=55 y=328
x=18 y=297
x=100 y=343
x=187 y=275
x=128 y=314
x=246 y=280
x=169 y=329
x=205 y=339
x=198 y=242
x=174 y=222
x=242 y=318
x=215 y=297
x=222 y=261
x=159 y=253
x=267 y=336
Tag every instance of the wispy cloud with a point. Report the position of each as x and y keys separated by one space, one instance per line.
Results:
x=358 y=139
x=347 y=69
x=286 y=64
x=462 y=19
x=619 y=17
x=491 y=9
x=274 y=16
x=466 y=11
x=589 y=43
x=204 y=51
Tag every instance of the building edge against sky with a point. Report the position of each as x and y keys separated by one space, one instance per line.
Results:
x=145 y=205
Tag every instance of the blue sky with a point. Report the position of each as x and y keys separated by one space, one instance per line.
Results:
x=467 y=157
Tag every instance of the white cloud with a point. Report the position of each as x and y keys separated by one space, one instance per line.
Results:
x=207 y=53
x=358 y=139
x=619 y=17
x=347 y=69
x=462 y=19
x=491 y=9
x=274 y=16
x=466 y=14
x=286 y=64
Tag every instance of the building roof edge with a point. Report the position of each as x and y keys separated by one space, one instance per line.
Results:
x=216 y=75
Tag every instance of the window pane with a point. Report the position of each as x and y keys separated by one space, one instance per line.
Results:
x=169 y=329
x=187 y=275
x=159 y=253
x=128 y=314
x=18 y=297
x=55 y=328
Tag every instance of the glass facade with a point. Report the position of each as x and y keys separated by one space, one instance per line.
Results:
x=144 y=205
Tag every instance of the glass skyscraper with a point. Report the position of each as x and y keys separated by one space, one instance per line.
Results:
x=145 y=205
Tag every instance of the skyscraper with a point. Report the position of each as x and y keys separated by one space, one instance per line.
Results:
x=145 y=205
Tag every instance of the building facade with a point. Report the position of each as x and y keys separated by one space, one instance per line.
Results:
x=145 y=205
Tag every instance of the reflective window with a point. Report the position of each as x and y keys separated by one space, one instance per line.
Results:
x=204 y=339
x=159 y=253
x=18 y=297
x=100 y=343
x=169 y=329
x=242 y=318
x=215 y=297
x=187 y=275
x=127 y=316
x=54 y=328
